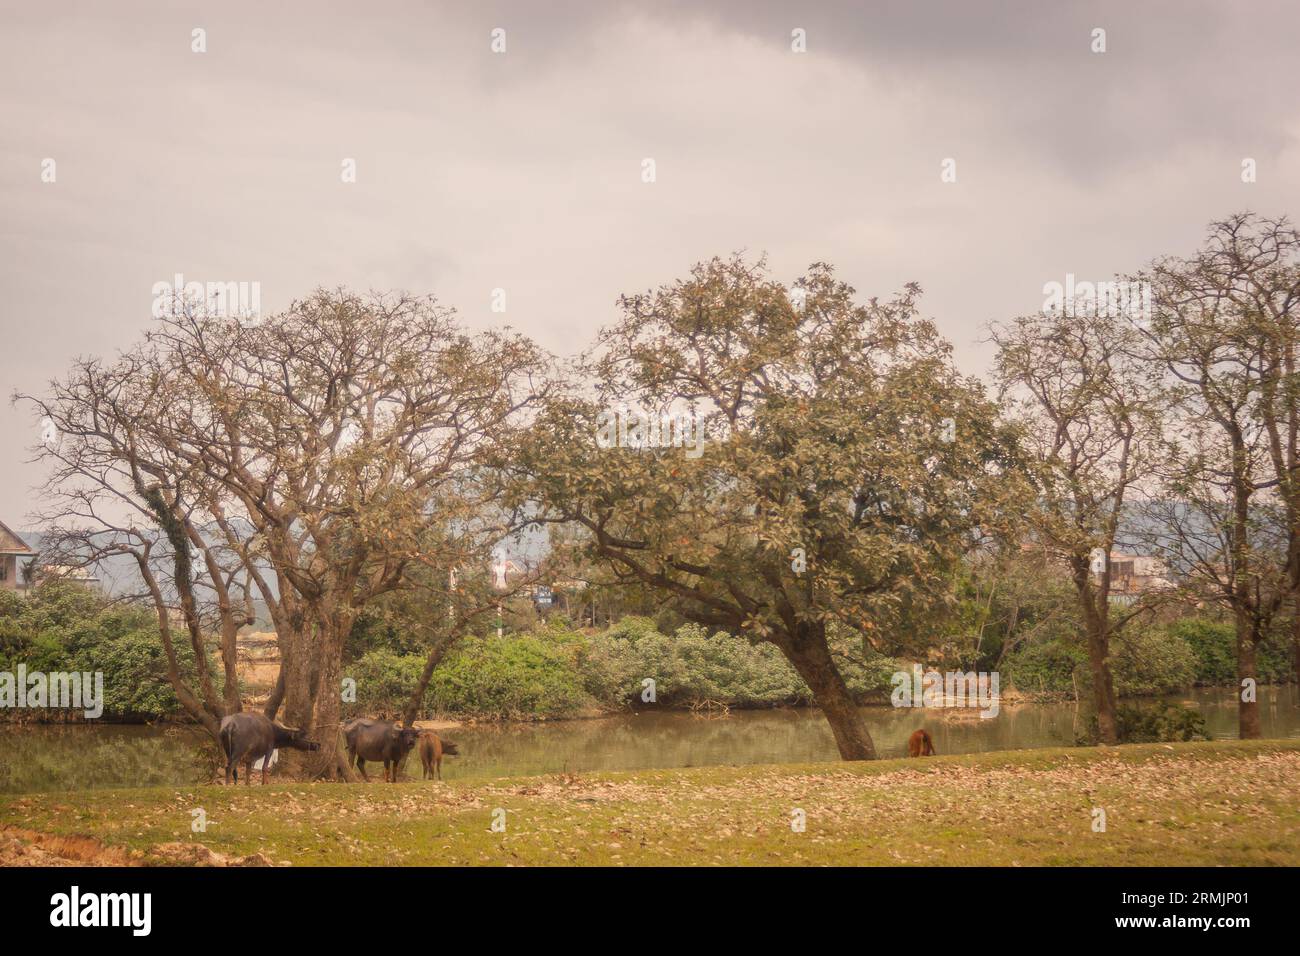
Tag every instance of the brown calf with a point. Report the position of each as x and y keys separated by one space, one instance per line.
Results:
x=432 y=748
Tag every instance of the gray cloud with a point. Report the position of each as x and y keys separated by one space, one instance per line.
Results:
x=522 y=171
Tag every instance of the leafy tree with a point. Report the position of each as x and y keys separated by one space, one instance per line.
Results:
x=845 y=467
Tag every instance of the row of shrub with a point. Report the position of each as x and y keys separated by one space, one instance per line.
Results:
x=559 y=672
x=1153 y=660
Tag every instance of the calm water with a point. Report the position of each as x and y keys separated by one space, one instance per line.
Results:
x=76 y=757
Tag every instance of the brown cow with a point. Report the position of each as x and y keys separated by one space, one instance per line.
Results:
x=920 y=744
x=432 y=748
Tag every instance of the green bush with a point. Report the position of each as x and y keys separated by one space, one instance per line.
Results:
x=63 y=626
x=513 y=676
x=1151 y=661
x=510 y=677
x=384 y=683
x=1047 y=668
x=135 y=673
x=1147 y=724
x=693 y=666
x=1214 y=646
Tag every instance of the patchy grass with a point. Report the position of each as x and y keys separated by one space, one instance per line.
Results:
x=1221 y=802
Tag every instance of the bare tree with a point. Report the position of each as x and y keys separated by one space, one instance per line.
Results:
x=115 y=490
x=1226 y=330
x=1093 y=415
x=327 y=451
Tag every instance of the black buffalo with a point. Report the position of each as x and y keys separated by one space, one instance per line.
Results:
x=249 y=736
x=378 y=740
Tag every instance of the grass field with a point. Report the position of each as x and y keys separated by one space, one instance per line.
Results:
x=1222 y=802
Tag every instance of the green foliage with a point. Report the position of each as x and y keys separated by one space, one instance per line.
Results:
x=693 y=665
x=1052 y=667
x=558 y=672
x=1140 y=724
x=631 y=628
x=1158 y=659
x=1149 y=723
x=688 y=667
x=64 y=626
x=1214 y=646
x=135 y=673
x=512 y=676
x=385 y=680
x=1151 y=661
x=372 y=632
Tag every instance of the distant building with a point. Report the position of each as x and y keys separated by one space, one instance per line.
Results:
x=13 y=554
x=67 y=572
x=1134 y=574
x=1130 y=574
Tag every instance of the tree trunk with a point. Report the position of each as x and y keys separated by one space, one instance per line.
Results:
x=810 y=656
x=295 y=669
x=1103 y=686
x=436 y=653
x=1295 y=638
x=310 y=685
x=230 y=663
x=330 y=761
x=328 y=707
x=1094 y=602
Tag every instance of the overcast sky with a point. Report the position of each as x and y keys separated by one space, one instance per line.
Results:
x=522 y=170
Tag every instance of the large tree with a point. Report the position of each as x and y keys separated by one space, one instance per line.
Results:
x=329 y=450
x=839 y=467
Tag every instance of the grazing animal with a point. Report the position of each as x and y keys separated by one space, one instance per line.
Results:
x=378 y=740
x=920 y=744
x=432 y=749
x=249 y=736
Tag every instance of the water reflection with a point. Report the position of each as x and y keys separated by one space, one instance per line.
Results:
x=75 y=757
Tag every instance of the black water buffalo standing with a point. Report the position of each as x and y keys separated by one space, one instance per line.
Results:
x=432 y=749
x=378 y=740
x=248 y=736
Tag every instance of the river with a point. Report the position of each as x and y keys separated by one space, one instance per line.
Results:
x=75 y=757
